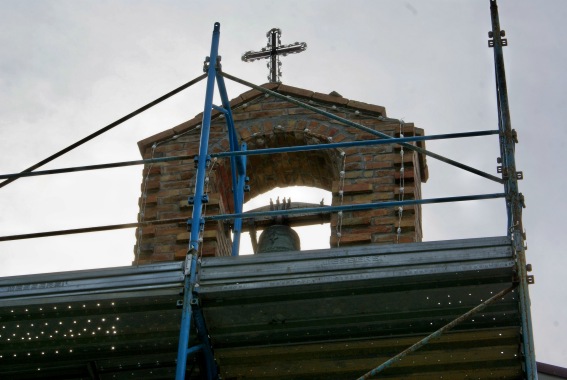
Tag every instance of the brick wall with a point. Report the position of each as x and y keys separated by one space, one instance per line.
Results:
x=371 y=174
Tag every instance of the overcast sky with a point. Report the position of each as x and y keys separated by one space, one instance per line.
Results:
x=68 y=68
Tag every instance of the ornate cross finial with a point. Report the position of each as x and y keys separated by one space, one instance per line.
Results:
x=273 y=52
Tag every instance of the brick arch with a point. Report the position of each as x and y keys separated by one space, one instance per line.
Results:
x=318 y=169
x=314 y=169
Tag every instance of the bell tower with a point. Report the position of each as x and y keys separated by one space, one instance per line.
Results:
x=355 y=175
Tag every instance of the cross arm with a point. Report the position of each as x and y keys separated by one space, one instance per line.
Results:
x=296 y=47
x=253 y=55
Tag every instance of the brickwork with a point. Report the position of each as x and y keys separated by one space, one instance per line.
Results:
x=371 y=174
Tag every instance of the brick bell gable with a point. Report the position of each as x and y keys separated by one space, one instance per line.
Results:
x=371 y=173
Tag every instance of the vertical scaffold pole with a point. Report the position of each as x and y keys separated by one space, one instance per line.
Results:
x=514 y=199
x=197 y=221
x=239 y=191
x=237 y=165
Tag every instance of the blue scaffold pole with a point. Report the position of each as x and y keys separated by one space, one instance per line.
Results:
x=353 y=207
x=514 y=199
x=239 y=192
x=237 y=166
x=197 y=221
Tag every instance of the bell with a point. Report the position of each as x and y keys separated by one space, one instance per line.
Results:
x=278 y=238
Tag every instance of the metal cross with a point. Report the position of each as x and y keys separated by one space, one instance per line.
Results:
x=273 y=52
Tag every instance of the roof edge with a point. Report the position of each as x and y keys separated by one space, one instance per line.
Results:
x=254 y=94
x=553 y=370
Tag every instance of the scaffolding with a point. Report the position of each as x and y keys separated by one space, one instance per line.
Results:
x=274 y=309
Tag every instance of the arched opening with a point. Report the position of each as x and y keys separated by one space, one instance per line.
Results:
x=304 y=177
x=313 y=169
x=314 y=235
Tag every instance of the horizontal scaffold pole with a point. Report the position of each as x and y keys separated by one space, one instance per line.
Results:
x=299 y=148
x=397 y=140
x=259 y=214
x=73 y=231
x=356 y=207
x=97 y=167
x=436 y=334
x=363 y=128
x=107 y=128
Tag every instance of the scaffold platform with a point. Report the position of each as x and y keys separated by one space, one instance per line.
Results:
x=320 y=314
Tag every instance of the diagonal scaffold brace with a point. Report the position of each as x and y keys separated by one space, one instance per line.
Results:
x=388 y=363
x=361 y=127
